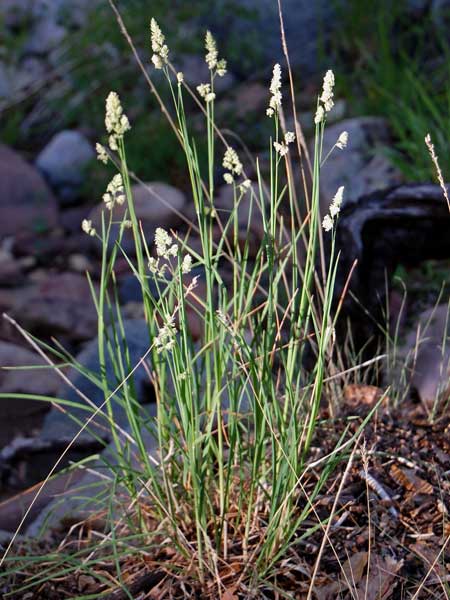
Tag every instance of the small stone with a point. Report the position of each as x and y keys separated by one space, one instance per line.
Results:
x=79 y=263
x=15 y=13
x=10 y=270
x=45 y=36
x=30 y=72
x=64 y=161
x=5 y=82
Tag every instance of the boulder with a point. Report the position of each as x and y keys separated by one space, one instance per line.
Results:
x=27 y=205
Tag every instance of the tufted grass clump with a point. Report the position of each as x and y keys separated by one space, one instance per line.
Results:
x=218 y=490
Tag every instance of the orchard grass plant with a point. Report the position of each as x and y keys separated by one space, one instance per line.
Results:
x=224 y=498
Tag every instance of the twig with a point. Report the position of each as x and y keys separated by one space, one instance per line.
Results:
x=379 y=489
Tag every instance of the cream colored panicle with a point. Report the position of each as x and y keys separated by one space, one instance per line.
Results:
x=114 y=192
x=327 y=90
x=327 y=223
x=116 y=122
x=275 y=90
x=165 y=340
x=211 y=51
x=160 y=50
x=102 y=155
x=342 y=140
x=320 y=114
x=86 y=226
x=231 y=161
x=186 y=265
x=336 y=203
x=163 y=243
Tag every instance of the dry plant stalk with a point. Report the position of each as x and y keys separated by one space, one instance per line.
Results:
x=435 y=160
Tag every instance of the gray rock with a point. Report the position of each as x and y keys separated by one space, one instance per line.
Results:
x=5 y=83
x=15 y=12
x=425 y=355
x=440 y=13
x=196 y=71
x=30 y=73
x=248 y=212
x=58 y=426
x=67 y=12
x=27 y=205
x=362 y=166
x=64 y=160
x=156 y=205
x=15 y=79
x=305 y=24
x=45 y=36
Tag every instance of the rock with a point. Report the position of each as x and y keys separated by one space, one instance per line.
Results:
x=59 y=427
x=5 y=83
x=196 y=71
x=156 y=206
x=130 y=289
x=71 y=218
x=71 y=505
x=361 y=167
x=405 y=225
x=440 y=13
x=306 y=118
x=306 y=23
x=10 y=270
x=43 y=382
x=248 y=211
x=59 y=304
x=79 y=263
x=15 y=13
x=31 y=72
x=425 y=356
x=67 y=12
x=63 y=161
x=27 y=205
x=13 y=509
x=250 y=97
x=44 y=36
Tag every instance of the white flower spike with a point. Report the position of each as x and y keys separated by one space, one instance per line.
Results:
x=231 y=161
x=275 y=90
x=160 y=50
x=342 y=140
x=327 y=91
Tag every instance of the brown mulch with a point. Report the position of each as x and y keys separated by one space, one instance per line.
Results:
x=389 y=537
